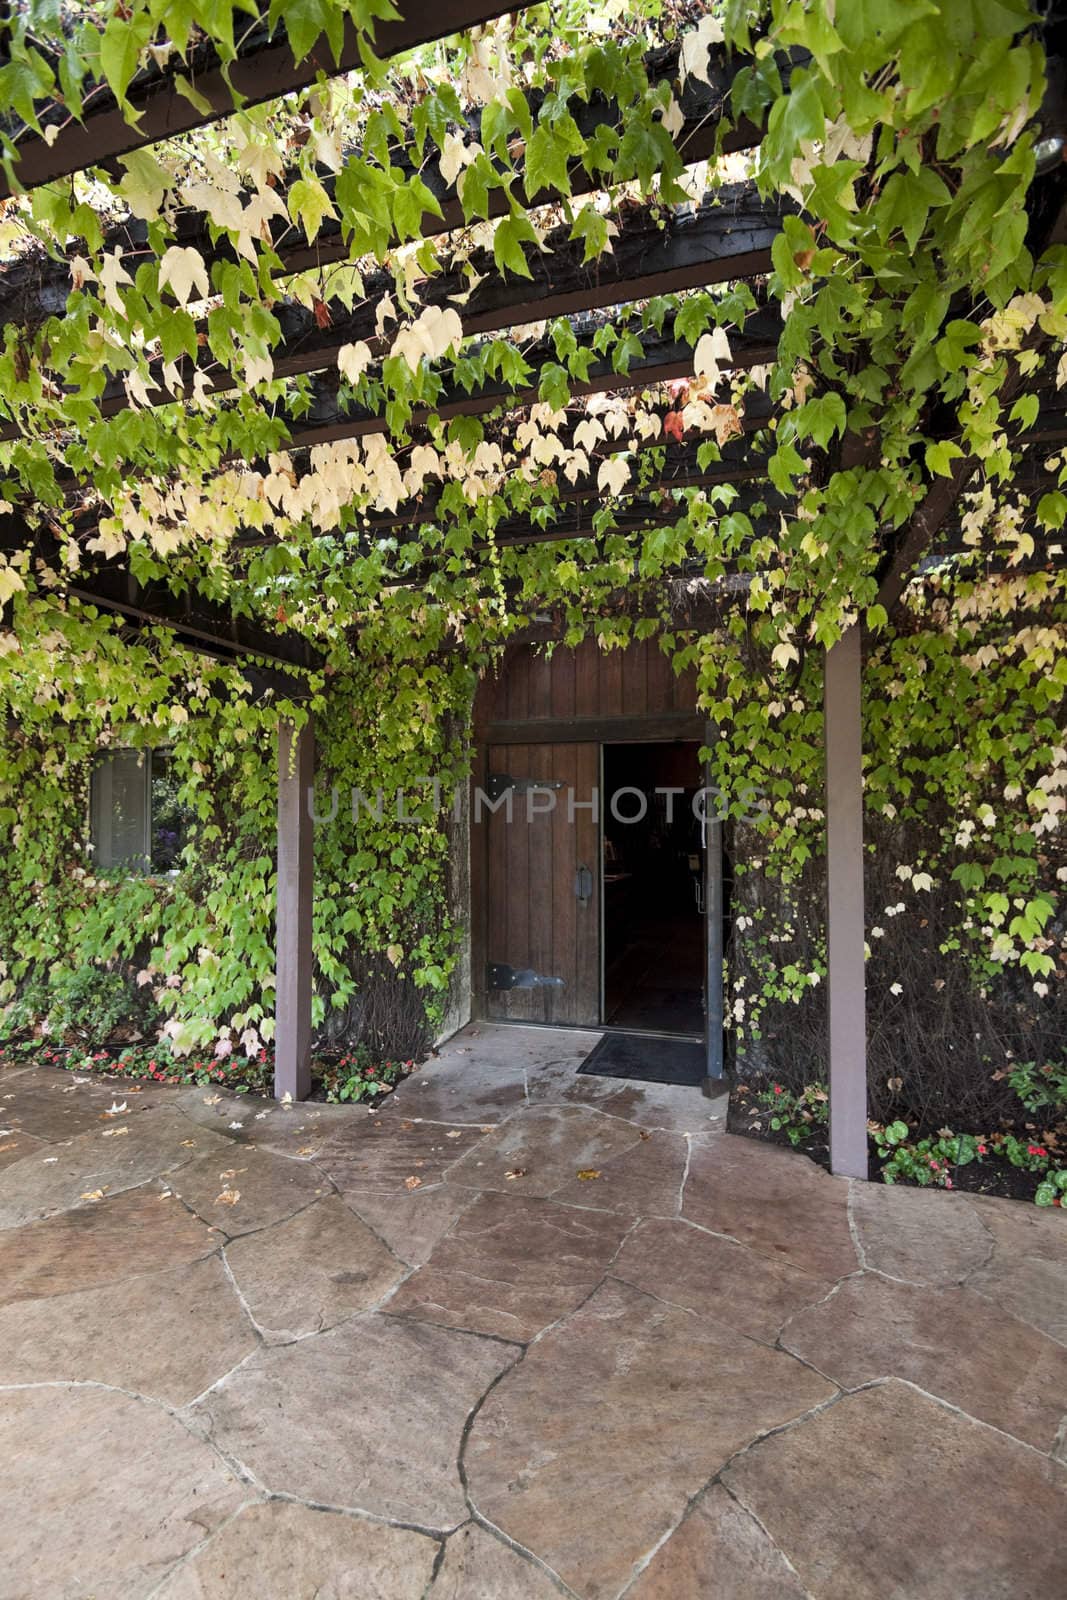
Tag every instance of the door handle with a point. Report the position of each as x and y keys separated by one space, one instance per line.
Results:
x=583 y=886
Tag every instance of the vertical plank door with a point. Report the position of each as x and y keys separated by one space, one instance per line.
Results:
x=542 y=884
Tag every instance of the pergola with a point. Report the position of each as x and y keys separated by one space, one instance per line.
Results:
x=727 y=241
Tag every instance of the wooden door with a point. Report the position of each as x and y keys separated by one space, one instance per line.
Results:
x=542 y=882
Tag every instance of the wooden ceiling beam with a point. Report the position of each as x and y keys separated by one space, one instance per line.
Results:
x=728 y=240
x=36 y=286
x=265 y=69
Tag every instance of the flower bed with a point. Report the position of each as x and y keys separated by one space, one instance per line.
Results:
x=339 y=1076
x=1023 y=1160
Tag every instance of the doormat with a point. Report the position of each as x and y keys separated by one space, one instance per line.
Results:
x=631 y=1055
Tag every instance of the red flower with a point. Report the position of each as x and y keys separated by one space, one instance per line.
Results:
x=778 y=1088
x=1036 y=1150
x=983 y=1150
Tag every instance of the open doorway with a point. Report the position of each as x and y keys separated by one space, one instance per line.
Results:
x=654 y=923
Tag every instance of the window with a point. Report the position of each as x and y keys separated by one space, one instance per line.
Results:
x=136 y=819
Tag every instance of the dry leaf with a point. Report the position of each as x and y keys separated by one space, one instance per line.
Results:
x=188 y=1144
x=306 y=1150
x=644 y=1133
x=516 y=1172
x=212 y=1099
x=413 y=1183
x=13 y=1144
x=95 y=1194
x=589 y=1172
x=228 y=1197
x=115 y=1133
x=455 y=1134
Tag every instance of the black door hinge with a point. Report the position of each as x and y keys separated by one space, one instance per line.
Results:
x=501 y=976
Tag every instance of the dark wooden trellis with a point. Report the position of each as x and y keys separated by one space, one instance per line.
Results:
x=728 y=241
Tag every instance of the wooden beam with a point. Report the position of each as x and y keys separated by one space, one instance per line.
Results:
x=846 y=978
x=731 y=239
x=293 y=960
x=598 y=730
x=201 y=623
x=37 y=285
x=664 y=360
x=265 y=70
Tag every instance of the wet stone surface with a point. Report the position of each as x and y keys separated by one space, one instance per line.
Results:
x=512 y=1335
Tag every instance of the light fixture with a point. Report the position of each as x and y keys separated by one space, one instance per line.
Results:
x=1048 y=152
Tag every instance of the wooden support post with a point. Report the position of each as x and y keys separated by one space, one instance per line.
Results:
x=844 y=907
x=292 y=1039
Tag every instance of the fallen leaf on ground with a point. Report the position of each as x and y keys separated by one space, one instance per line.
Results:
x=48 y=1160
x=114 y=1133
x=116 y=1108
x=13 y=1144
x=212 y=1099
x=237 y=1124
x=455 y=1134
x=188 y=1144
x=306 y=1150
x=645 y=1133
x=589 y=1172
x=228 y=1197
x=516 y=1172
x=412 y=1183
x=94 y=1194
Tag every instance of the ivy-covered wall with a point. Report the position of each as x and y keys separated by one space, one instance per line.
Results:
x=191 y=954
x=965 y=792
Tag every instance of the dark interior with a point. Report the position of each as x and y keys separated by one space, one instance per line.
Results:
x=653 y=889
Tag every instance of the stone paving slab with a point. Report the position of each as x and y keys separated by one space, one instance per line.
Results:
x=393 y=1154
x=888 y=1495
x=102 y=1493
x=542 y=1150
x=972 y=1354
x=589 y=1450
x=391 y=1397
x=296 y=1553
x=168 y=1335
x=919 y=1235
x=719 y=1552
x=411 y=1223
x=1026 y=1273
x=268 y=1188
x=121 y=1237
x=645 y=1105
x=14 y=1145
x=645 y=1180
x=82 y=1171
x=717 y=1278
x=511 y=1265
x=478 y=1567
x=54 y=1105
x=775 y=1201
x=312 y=1270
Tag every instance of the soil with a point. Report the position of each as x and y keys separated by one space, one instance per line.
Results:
x=989 y=1176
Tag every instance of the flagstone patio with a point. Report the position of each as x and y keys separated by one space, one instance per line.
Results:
x=516 y=1334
